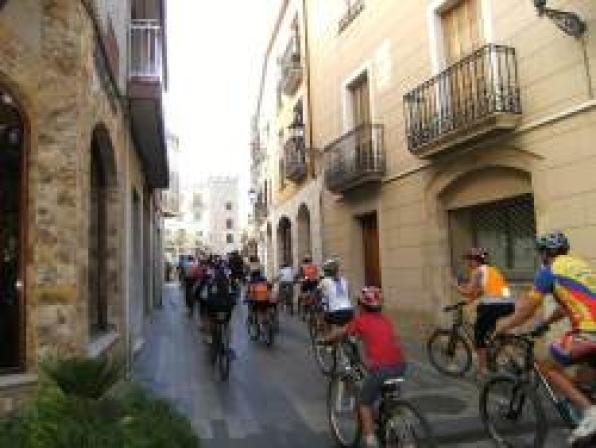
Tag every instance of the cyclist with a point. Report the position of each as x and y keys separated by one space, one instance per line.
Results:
x=486 y=285
x=308 y=275
x=258 y=295
x=286 y=282
x=384 y=355
x=572 y=282
x=220 y=298
x=334 y=294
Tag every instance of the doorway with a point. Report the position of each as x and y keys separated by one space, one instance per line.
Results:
x=370 y=244
x=12 y=234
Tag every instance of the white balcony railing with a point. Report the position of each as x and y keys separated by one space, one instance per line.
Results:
x=146 y=49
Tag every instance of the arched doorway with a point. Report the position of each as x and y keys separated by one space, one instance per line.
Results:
x=102 y=179
x=284 y=241
x=304 y=233
x=13 y=166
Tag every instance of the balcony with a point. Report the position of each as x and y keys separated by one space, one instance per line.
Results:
x=475 y=98
x=355 y=159
x=145 y=89
x=295 y=159
x=291 y=66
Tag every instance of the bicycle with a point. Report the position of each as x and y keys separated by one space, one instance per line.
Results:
x=450 y=349
x=220 y=351
x=398 y=422
x=264 y=327
x=286 y=296
x=508 y=395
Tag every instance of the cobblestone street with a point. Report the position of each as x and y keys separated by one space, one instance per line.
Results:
x=276 y=397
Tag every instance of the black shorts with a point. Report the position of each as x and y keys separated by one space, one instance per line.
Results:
x=373 y=383
x=308 y=286
x=487 y=315
x=339 y=318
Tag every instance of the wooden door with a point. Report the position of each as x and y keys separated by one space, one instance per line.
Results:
x=360 y=91
x=462 y=31
x=370 y=240
x=12 y=236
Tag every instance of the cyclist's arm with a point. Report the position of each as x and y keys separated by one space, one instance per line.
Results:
x=473 y=289
x=337 y=334
x=558 y=314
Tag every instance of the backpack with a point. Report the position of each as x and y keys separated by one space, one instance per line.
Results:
x=219 y=292
x=259 y=291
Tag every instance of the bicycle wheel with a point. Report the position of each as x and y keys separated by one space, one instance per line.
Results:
x=511 y=412
x=268 y=331
x=214 y=346
x=253 y=328
x=406 y=426
x=342 y=411
x=224 y=355
x=449 y=352
x=508 y=355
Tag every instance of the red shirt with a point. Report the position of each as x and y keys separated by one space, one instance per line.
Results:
x=380 y=342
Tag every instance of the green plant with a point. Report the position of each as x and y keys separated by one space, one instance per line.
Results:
x=88 y=378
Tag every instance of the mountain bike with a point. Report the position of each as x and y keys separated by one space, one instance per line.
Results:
x=510 y=405
x=286 y=296
x=450 y=349
x=261 y=325
x=220 y=351
x=398 y=422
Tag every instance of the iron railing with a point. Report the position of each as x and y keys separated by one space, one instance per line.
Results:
x=146 y=49
x=353 y=8
x=355 y=158
x=481 y=85
x=295 y=159
x=291 y=65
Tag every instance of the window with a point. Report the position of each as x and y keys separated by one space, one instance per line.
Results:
x=461 y=29
x=506 y=228
x=228 y=206
x=360 y=96
x=282 y=173
x=229 y=238
x=229 y=224
x=351 y=11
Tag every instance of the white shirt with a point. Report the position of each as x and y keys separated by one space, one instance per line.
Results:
x=335 y=294
x=286 y=275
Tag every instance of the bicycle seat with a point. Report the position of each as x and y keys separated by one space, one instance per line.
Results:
x=392 y=385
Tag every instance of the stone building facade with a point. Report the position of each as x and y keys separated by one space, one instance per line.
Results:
x=447 y=124
x=286 y=174
x=80 y=231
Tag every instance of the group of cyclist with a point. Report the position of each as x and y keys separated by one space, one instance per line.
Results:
x=570 y=280
x=572 y=283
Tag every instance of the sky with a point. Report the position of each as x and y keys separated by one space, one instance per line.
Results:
x=215 y=54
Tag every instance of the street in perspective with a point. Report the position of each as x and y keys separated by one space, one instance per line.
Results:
x=297 y=223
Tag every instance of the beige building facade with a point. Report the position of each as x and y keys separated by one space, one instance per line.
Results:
x=285 y=172
x=445 y=124
x=82 y=155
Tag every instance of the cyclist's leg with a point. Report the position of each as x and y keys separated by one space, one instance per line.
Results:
x=482 y=327
x=553 y=369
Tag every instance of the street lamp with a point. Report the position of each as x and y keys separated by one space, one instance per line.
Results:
x=568 y=22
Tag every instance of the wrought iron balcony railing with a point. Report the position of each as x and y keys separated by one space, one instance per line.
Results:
x=146 y=49
x=356 y=158
x=474 y=97
x=295 y=159
x=291 y=66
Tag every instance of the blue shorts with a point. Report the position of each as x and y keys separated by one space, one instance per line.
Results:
x=373 y=384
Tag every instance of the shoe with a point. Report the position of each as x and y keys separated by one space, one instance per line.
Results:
x=586 y=428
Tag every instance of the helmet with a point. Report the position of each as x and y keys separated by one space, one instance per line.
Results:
x=330 y=267
x=307 y=258
x=554 y=241
x=371 y=297
x=478 y=254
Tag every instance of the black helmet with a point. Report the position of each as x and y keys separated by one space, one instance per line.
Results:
x=553 y=242
x=330 y=267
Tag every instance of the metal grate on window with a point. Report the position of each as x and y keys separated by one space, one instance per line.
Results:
x=507 y=228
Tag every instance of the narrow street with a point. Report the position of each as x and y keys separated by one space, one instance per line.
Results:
x=276 y=397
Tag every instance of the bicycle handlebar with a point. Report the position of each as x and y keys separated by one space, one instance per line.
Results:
x=455 y=306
